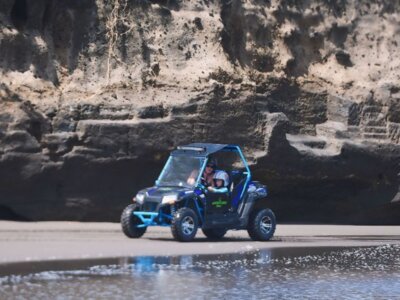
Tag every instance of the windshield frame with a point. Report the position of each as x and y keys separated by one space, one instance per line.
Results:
x=184 y=184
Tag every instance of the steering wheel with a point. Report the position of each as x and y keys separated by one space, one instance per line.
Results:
x=202 y=187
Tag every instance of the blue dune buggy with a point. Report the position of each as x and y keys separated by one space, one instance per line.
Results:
x=181 y=201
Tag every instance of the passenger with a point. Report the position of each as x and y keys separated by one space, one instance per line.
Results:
x=221 y=181
x=206 y=178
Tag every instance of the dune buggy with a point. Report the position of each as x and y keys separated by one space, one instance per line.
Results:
x=186 y=205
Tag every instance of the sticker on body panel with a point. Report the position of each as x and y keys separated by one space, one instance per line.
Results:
x=219 y=203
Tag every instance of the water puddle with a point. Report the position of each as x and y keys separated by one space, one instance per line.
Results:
x=290 y=273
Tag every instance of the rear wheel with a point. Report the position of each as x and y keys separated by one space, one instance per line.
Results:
x=184 y=225
x=214 y=233
x=129 y=222
x=262 y=224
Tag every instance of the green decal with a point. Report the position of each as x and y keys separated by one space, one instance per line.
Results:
x=219 y=203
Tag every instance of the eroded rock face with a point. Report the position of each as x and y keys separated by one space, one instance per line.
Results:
x=94 y=95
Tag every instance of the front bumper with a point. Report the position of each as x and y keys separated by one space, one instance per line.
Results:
x=152 y=218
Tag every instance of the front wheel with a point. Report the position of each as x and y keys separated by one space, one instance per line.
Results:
x=129 y=222
x=262 y=224
x=184 y=225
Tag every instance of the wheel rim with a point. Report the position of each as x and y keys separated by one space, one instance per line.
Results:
x=187 y=225
x=266 y=225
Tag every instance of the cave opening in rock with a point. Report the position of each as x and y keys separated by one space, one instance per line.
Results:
x=46 y=15
x=35 y=129
x=19 y=14
x=6 y=213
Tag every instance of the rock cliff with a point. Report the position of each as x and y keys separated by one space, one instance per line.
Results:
x=95 y=93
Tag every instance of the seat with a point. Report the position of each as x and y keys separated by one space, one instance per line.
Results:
x=236 y=187
x=234 y=176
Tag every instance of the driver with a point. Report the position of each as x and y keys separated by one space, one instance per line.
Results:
x=207 y=176
x=221 y=181
x=207 y=179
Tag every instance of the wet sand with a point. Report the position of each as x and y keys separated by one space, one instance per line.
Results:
x=23 y=241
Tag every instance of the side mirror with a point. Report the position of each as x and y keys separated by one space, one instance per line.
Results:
x=157 y=182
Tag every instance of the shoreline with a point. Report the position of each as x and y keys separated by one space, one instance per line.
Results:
x=57 y=241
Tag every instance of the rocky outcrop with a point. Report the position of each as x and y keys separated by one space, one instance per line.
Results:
x=94 y=95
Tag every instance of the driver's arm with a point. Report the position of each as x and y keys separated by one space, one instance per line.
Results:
x=192 y=177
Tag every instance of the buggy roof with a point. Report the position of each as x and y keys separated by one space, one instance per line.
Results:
x=202 y=149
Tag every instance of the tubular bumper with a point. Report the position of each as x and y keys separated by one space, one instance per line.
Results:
x=151 y=218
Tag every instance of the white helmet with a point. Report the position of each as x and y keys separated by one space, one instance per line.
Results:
x=222 y=175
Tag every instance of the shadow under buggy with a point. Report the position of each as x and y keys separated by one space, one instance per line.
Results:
x=180 y=200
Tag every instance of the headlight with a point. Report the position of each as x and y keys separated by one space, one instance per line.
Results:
x=169 y=199
x=139 y=198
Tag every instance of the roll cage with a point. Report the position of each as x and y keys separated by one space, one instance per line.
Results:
x=203 y=151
